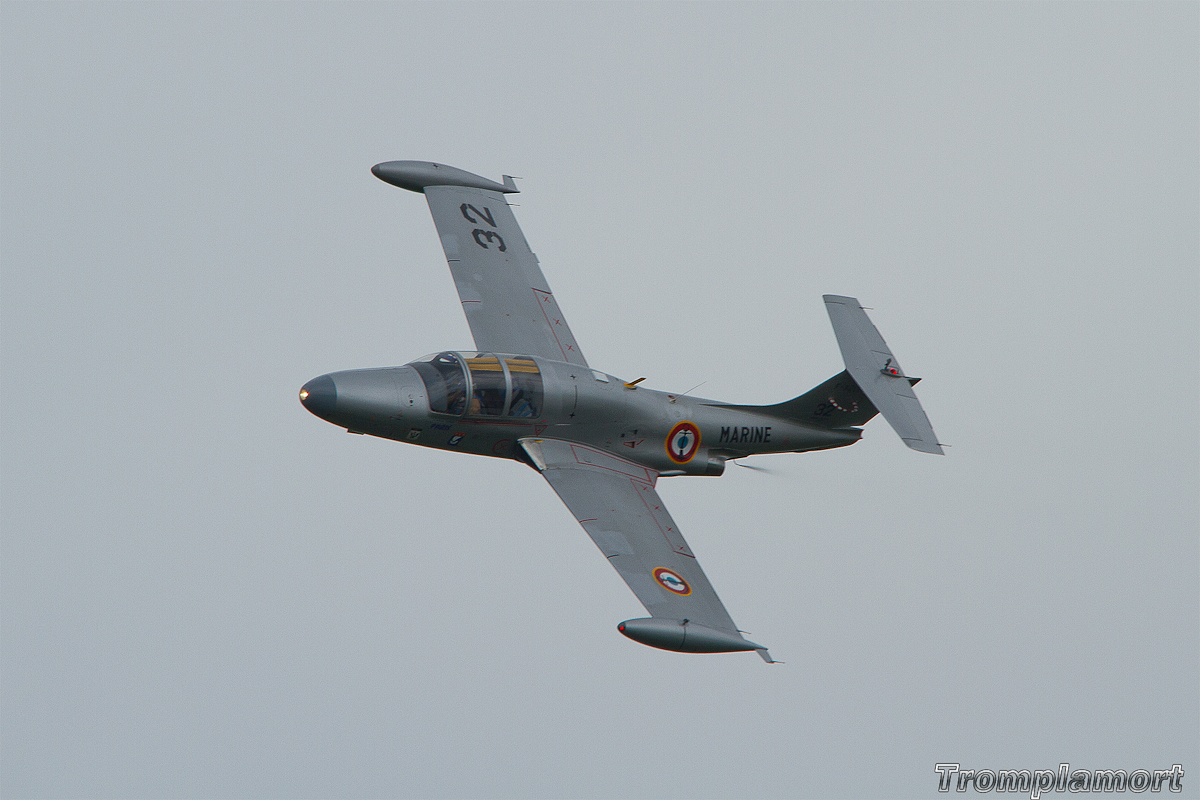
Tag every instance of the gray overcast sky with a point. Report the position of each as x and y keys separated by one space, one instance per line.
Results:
x=208 y=592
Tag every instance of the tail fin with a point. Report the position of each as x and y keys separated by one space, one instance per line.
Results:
x=836 y=403
x=878 y=375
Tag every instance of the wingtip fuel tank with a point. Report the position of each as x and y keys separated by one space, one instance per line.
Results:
x=417 y=175
x=684 y=636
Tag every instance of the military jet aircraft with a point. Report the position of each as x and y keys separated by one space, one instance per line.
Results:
x=527 y=393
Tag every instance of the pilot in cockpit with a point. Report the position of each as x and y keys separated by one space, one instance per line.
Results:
x=521 y=407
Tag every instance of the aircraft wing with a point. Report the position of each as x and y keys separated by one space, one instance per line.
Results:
x=616 y=503
x=508 y=303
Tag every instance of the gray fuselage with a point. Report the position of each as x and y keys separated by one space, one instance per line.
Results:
x=501 y=399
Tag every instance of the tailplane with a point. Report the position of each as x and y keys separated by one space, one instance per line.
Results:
x=878 y=374
x=872 y=383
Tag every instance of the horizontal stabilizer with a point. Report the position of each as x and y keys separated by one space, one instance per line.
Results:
x=878 y=374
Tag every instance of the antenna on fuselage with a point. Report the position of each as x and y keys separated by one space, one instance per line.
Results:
x=675 y=397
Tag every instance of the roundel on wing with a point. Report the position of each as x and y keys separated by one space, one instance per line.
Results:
x=682 y=442
x=671 y=581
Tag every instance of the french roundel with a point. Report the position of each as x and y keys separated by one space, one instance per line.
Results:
x=670 y=580
x=682 y=442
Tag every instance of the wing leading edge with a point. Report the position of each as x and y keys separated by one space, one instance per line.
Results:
x=508 y=304
x=616 y=503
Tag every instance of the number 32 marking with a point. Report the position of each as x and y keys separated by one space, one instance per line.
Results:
x=479 y=234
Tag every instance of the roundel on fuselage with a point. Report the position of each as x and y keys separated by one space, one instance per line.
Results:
x=683 y=441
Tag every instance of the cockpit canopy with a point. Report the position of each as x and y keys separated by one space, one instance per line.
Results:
x=481 y=384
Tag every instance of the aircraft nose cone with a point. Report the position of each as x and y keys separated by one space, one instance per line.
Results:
x=319 y=396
